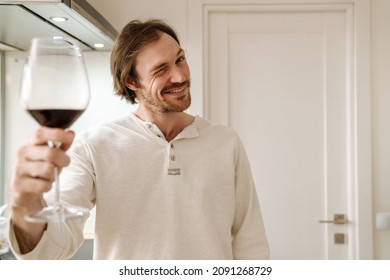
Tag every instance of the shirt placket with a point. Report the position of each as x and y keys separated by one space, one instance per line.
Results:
x=173 y=158
x=172 y=150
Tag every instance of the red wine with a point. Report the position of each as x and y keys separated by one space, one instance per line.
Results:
x=60 y=118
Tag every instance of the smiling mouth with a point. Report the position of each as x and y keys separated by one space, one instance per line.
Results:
x=176 y=90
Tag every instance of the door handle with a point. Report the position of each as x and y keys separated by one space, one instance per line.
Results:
x=338 y=219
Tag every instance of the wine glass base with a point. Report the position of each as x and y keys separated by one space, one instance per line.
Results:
x=56 y=214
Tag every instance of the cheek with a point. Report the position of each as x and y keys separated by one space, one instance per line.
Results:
x=186 y=70
x=156 y=86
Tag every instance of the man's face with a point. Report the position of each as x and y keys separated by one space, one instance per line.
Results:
x=164 y=77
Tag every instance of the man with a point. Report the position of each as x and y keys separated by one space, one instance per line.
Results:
x=166 y=184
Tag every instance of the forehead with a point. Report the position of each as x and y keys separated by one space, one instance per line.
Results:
x=158 y=52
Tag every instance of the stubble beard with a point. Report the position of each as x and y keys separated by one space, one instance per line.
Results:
x=163 y=107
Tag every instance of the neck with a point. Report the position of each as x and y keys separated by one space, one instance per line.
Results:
x=170 y=124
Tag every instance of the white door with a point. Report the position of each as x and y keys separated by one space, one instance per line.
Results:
x=282 y=78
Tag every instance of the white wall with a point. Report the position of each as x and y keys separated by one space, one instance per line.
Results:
x=120 y=12
x=380 y=45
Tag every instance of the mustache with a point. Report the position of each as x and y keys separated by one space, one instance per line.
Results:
x=176 y=85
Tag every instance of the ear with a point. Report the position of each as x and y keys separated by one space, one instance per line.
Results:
x=131 y=84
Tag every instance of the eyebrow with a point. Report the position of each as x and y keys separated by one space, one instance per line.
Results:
x=163 y=64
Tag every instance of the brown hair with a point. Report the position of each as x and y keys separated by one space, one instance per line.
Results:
x=133 y=37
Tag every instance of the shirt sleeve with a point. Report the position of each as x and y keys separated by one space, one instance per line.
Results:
x=57 y=243
x=61 y=240
x=248 y=232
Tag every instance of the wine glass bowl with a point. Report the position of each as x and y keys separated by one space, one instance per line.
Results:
x=55 y=89
x=55 y=92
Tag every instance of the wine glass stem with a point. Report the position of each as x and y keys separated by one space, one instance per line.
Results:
x=56 y=188
x=56 y=145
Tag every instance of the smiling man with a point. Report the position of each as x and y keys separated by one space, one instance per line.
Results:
x=163 y=91
x=166 y=184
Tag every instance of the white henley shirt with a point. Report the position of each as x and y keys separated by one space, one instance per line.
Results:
x=191 y=198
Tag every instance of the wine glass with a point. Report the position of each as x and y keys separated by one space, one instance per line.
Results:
x=55 y=92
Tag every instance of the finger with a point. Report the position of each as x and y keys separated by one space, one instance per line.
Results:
x=45 y=134
x=36 y=169
x=43 y=153
x=25 y=199
x=23 y=187
x=68 y=141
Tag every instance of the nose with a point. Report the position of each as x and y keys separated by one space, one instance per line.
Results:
x=177 y=74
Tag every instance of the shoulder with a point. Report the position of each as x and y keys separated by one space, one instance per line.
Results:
x=217 y=135
x=207 y=127
x=107 y=132
x=108 y=127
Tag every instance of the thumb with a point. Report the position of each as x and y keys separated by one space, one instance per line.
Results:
x=68 y=140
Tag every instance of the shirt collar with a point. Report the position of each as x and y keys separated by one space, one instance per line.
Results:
x=190 y=131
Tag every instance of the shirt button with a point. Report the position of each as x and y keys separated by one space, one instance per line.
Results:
x=172 y=146
x=149 y=126
x=173 y=158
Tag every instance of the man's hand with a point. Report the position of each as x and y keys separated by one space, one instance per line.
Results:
x=33 y=175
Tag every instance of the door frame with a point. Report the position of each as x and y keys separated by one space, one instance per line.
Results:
x=2 y=127
x=357 y=12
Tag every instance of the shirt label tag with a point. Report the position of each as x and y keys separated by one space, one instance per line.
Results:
x=174 y=171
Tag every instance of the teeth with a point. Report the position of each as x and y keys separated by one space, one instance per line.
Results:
x=177 y=90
